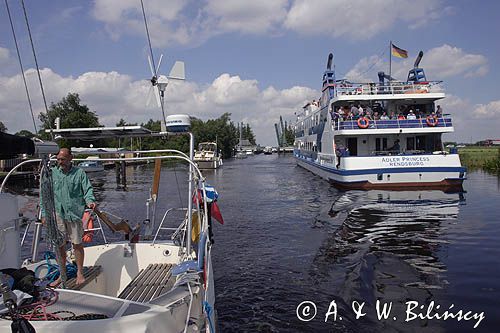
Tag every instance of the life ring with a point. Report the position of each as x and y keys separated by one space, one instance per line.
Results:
x=88 y=223
x=432 y=121
x=363 y=122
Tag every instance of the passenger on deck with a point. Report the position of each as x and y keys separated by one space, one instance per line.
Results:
x=340 y=151
x=393 y=116
x=395 y=148
x=376 y=116
x=342 y=113
x=384 y=116
x=354 y=111
x=369 y=110
x=401 y=117
x=439 y=111
x=411 y=115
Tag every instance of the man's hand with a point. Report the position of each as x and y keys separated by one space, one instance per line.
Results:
x=92 y=205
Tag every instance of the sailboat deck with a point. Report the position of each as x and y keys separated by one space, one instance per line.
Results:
x=148 y=284
x=89 y=272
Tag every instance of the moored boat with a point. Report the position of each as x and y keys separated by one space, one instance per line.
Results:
x=92 y=164
x=383 y=135
x=268 y=150
x=208 y=156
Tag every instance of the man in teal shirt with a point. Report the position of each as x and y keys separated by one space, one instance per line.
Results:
x=72 y=191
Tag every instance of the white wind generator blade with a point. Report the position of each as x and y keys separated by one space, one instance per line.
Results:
x=177 y=71
x=153 y=73
x=159 y=64
x=148 y=99
x=157 y=95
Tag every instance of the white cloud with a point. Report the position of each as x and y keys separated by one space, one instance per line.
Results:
x=472 y=123
x=446 y=61
x=439 y=63
x=359 y=19
x=165 y=22
x=488 y=111
x=113 y=96
x=185 y=22
x=258 y=16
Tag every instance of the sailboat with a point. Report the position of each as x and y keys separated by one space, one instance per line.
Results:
x=140 y=284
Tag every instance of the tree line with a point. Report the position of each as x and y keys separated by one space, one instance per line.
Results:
x=73 y=114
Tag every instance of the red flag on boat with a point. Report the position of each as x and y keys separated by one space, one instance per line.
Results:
x=215 y=212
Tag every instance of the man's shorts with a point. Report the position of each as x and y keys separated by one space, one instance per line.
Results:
x=73 y=231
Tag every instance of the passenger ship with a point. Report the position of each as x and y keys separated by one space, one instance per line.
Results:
x=349 y=138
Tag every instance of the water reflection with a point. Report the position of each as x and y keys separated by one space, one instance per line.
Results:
x=386 y=245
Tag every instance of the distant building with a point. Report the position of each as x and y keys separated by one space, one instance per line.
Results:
x=492 y=142
x=245 y=145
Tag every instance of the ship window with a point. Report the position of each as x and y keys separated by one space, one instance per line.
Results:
x=380 y=176
x=352 y=145
x=380 y=144
x=410 y=143
x=420 y=142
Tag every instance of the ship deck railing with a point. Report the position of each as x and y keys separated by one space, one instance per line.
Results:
x=392 y=88
x=352 y=123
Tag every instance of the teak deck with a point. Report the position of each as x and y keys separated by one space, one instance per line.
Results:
x=89 y=272
x=148 y=284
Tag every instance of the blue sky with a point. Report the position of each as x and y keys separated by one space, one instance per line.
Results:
x=256 y=59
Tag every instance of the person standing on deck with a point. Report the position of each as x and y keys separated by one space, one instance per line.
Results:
x=72 y=191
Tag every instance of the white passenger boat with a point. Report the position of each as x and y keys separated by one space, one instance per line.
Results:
x=91 y=164
x=350 y=139
x=160 y=283
x=208 y=156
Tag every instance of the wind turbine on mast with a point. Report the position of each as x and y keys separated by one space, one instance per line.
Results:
x=159 y=84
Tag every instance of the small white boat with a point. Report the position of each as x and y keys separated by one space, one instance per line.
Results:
x=161 y=283
x=268 y=150
x=240 y=154
x=208 y=156
x=92 y=164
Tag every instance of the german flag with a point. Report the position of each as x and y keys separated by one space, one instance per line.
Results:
x=397 y=52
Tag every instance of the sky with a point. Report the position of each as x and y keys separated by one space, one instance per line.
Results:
x=257 y=60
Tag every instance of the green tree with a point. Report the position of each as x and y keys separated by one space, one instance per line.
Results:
x=289 y=136
x=247 y=134
x=72 y=114
x=25 y=133
x=3 y=128
x=221 y=130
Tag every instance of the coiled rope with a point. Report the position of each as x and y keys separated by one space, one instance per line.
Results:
x=53 y=269
x=55 y=237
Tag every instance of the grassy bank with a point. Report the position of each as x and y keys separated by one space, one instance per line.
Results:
x=476 y=157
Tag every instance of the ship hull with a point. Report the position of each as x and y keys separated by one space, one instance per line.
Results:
x=434 y=177
x=211 y=164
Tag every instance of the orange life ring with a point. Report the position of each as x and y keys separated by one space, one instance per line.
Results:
x=88 y=223
x=363 y=122
x=432 y=121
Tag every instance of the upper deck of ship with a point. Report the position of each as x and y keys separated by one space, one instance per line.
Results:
x=393 y=90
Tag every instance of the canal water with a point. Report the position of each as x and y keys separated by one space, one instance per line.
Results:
x=297 y=255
